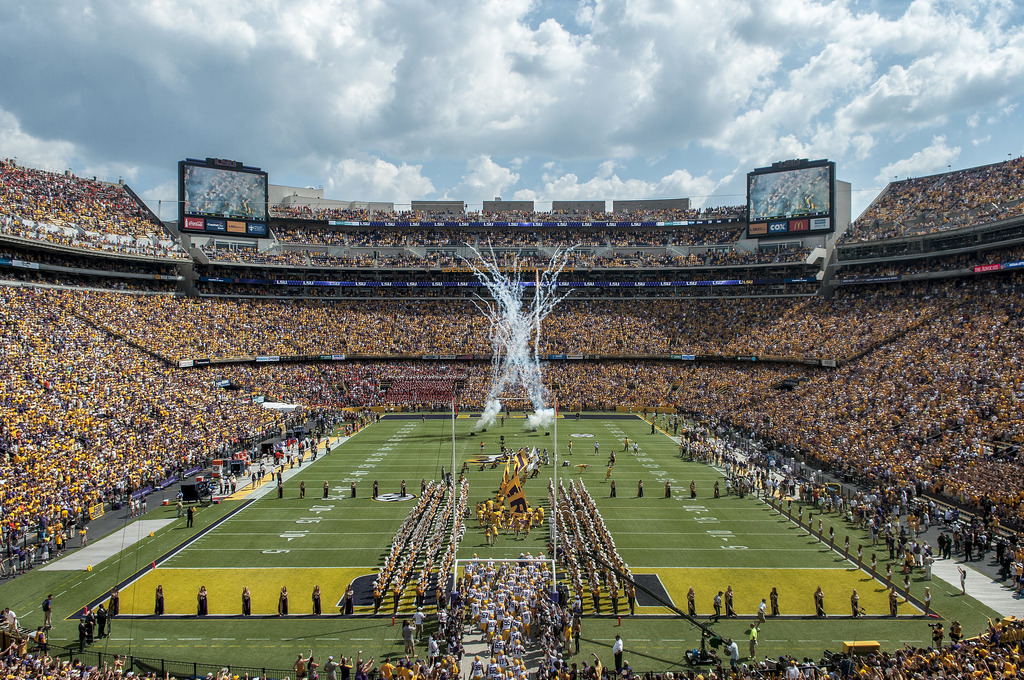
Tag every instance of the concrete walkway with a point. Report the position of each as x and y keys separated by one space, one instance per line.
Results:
x=108 y=546
x=980 y=586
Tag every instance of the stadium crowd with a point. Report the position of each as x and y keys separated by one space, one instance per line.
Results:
x=525 y=236
x=82 y=425
x=77 y=212
x=794 y=327
x=390 y=216
x=516 y=594
x=951 y=200
x=609 y=258
x=914 y=409
x=932 y=264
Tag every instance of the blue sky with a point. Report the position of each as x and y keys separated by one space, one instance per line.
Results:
x=471 y=99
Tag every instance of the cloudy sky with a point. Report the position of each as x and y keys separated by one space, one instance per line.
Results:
x=545 y=99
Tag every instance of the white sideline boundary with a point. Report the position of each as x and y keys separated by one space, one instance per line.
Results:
x=106 y=547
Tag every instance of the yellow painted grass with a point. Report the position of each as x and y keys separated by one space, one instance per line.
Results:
x=796 y=590
x=224 y=588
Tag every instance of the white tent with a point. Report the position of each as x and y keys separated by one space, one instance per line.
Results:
x=280 y=406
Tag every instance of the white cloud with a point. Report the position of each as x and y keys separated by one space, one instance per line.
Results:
x=374 y=179
x=608 y=186
x=484 y=180
x=162 y=199
x=47 y=154
x=303 y=86
x=932 y=159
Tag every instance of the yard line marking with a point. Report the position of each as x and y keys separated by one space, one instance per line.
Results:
x=322 y=549
x=680 y=640
x=634 y=568
x=320 y=533
x=330 y=638
x=256 y=639
x=155 y=639
x=188 y=639
x=361 y=639
x=371 y=567
x=714 y=550
x=222 y=638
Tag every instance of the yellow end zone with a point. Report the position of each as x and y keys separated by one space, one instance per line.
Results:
x=224 y=588
x=796 y=590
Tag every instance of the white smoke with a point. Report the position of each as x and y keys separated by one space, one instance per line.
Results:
x=516 y=331
x=542 y=418
x=491 y=410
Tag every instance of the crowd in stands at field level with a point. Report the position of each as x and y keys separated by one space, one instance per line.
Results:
x=997 y=652
x=77 y=212
x=81 y=424
x=914 y=412
x=939 y=202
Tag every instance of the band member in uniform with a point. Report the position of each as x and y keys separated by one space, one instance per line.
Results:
x=159 y=607
x=730 y=611
x=201 y=602
x=282 y=602
x=246 y=602
x=316 y=601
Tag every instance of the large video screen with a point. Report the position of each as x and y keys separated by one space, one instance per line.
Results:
x=222 y=197
x=791 y=197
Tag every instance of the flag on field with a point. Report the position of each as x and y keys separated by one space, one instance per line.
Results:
x=513 y=491
x=504 y=479
x=521 y=460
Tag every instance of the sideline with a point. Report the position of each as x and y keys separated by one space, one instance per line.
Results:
x=262 y=487
x=106 y=547
x=980 y=586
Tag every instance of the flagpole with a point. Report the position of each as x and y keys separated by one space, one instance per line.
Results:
x=453 y=450
x=554 y=509
x=454 y=506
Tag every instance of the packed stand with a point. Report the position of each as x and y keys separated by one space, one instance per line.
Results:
x=184 y=328
x=82 y=425
x=77 y=212
x=952 y=200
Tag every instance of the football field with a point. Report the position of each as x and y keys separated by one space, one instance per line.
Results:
x=670 y=541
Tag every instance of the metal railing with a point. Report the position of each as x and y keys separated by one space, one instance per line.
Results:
x=166 y=667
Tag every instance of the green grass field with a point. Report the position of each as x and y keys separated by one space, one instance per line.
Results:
x=705 y=543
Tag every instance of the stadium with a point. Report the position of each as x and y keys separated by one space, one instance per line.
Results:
x=787 y=439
